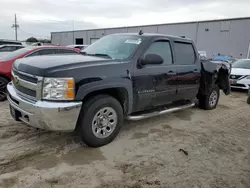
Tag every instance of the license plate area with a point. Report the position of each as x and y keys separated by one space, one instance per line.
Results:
x=233 y=81
x=15 y=113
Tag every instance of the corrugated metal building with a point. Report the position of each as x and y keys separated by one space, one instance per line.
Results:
x=227 y=36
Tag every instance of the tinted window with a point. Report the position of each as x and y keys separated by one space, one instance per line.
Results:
x=47 y=52
x=184 y=52
x=6 y=49
x=242 y=64
x=163 y=49
x=43 y=52
x=18 y=47
x=66 y=51
x=9 y=42
x=16 y=54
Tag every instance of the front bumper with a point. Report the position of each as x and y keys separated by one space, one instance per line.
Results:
x=54 y=116
x=240 y=84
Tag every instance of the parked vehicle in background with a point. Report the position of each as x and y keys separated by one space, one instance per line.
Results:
x=132 y=76
x=10 y=47
x=9 y=58
x=203 y=55
x=81 y=47
x=228 y=59
x=240 y=75
x=3 y=42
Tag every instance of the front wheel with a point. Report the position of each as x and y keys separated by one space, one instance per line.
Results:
x=3 y=88
x=100 y=120
x=210 y=101
x=248 y=100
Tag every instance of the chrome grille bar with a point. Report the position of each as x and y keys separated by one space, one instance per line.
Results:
x=22 y=81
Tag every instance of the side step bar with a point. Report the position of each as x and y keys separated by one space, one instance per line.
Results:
x=157 y=113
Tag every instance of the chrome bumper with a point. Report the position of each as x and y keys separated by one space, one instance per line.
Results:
x=54 y=116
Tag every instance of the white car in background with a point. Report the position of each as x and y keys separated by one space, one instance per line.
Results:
x=240 y=74
x=203 y=54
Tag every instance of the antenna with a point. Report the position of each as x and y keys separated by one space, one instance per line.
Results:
x=140 y=32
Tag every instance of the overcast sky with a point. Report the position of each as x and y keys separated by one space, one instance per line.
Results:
x=40 y=17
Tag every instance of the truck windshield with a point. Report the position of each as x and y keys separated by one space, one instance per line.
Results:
x=242 y=64
x=118 y=47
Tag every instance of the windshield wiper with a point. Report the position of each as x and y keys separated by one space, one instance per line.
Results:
x=97 y=54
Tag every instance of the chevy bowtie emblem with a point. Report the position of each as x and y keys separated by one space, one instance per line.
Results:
x=15 y=80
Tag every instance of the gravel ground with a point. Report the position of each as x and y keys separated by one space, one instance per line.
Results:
x=145 y=154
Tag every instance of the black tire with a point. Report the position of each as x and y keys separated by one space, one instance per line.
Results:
x=248 y=100
x=87 y=115
x=205 y=100
x=3 y=88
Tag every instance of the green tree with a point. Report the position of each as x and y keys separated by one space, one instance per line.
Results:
x=32 y=39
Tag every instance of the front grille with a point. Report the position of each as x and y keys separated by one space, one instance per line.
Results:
x=25 y=91
x=27 y=86
x=235 y=77
x=25 y=77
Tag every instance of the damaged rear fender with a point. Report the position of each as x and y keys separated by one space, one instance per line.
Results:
x=214 y=73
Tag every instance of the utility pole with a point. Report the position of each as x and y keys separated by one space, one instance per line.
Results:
x=15 y=26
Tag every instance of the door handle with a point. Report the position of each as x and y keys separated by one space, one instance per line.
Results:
x=171 y=73
x=195 y=70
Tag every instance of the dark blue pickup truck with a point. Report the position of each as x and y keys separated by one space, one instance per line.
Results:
x=132 y=76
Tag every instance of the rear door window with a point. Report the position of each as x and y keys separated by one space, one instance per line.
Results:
x=43 y=52
x=66 y=51
x=184 y=52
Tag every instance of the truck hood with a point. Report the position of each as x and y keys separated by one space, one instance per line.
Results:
x=43 y=65
x=238 y=71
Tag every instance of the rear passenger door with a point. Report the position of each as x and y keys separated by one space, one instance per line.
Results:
x=188 y=69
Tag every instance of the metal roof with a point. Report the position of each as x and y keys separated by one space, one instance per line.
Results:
x=176 y=23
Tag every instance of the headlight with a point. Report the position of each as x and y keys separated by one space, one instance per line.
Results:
x=58 y=89
x=248 y=77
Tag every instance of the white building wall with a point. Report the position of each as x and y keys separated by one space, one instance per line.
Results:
x=228 y=37
x=187 y=30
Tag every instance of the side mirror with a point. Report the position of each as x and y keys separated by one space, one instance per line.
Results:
x=150 y=59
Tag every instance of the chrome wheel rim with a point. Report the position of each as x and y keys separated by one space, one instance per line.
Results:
x=213 y=98
x=2 y=90
x=104 y=122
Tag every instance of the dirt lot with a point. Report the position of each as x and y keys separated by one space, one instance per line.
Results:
x=145 y=154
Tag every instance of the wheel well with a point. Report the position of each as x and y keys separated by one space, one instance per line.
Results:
x=119 y=94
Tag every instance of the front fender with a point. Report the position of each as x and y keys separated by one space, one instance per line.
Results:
x=88 y=88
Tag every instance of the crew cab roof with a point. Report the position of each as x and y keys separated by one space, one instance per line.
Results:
x=155 y=35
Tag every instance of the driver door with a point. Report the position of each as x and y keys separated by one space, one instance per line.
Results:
x=156 y=85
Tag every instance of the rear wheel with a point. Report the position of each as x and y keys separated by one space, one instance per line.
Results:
x=100 y=120
x=210 y=101
x=3 y=88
